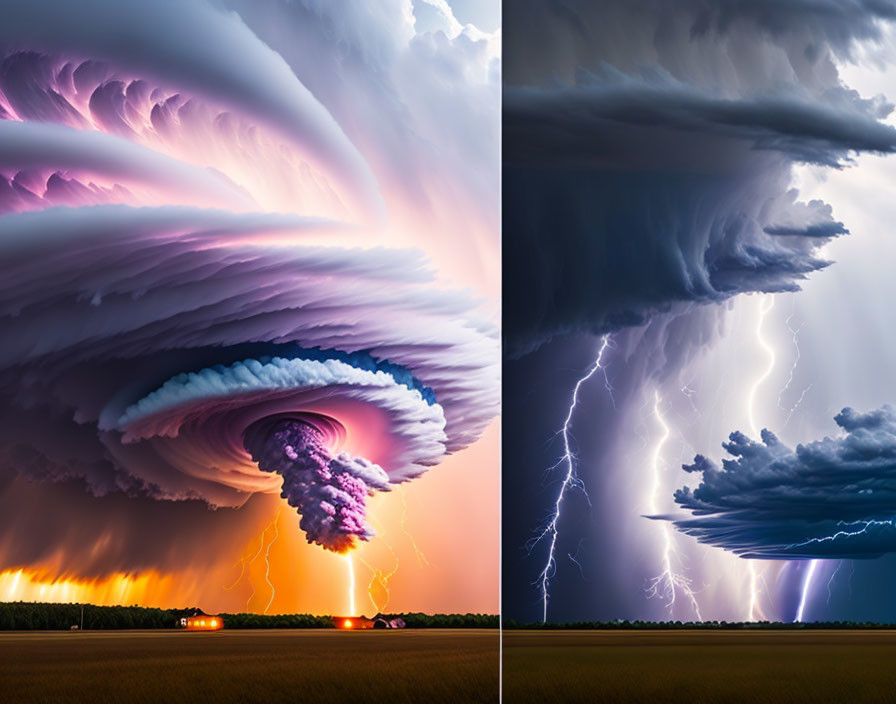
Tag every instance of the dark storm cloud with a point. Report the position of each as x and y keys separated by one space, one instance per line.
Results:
x=572 y=33
x=832 y=498
x=645 y=176
x=840 y=22
x=557 y=127
x=117 y=532
x=595 y=251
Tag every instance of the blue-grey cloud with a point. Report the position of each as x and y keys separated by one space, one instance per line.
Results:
x=783 y=37
x=832 y=498
x=573 y=126
x=645 y=176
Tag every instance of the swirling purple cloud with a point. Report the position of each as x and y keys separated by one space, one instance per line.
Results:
x=179 y=322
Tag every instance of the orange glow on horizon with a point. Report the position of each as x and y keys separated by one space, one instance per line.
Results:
x=444 y=536
x=117 y=589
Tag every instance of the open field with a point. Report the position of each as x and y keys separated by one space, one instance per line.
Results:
x=250 y=666
x=761 y=667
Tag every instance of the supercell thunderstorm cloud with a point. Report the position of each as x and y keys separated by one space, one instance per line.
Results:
x=220 y=279
x=664 y=171
x=683 y=140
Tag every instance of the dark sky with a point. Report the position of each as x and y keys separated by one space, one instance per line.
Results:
x=649 y=152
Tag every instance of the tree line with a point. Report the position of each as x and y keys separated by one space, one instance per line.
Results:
x=420 y=620
x=29 y=616
x=511 y=624
x=39 y=616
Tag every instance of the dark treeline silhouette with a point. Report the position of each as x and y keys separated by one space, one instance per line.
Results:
x=511 y=624
x=412 y=620
x=28 y=616
x=419 y=620
x=276 y=621
x=33 y=616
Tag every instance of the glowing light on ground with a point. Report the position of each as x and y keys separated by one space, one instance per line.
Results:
x=668 y=583
x=570 y=480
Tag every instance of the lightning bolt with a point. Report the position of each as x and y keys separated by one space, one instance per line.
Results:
x=668 y=583
x=245 y=562
x=242 y=563
x=381 y=577
x=249 y=564
x=350 y=566
x=865 y=525
x=844 y=533
x=421 y=558
x=754 y=591
x=570 y=480
x=805 y=591
x=267 y=562
x=831 y=581
x=575 y=559
x=689 y=394
x=795 y=333
x=765 y=306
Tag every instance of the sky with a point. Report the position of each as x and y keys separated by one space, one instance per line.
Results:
x=698 y=218
x=256 y=248
x=237 y=262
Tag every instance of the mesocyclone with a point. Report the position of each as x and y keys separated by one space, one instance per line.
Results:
x=176 y=321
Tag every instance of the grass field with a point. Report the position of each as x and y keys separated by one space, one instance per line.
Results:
x=699 y=666
x=250 y=666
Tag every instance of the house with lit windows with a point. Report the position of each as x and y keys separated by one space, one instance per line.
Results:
x=200 y=621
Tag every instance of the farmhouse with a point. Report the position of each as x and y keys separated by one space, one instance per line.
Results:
x=199 y=621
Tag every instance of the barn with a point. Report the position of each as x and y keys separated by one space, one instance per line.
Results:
x=388 y=621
